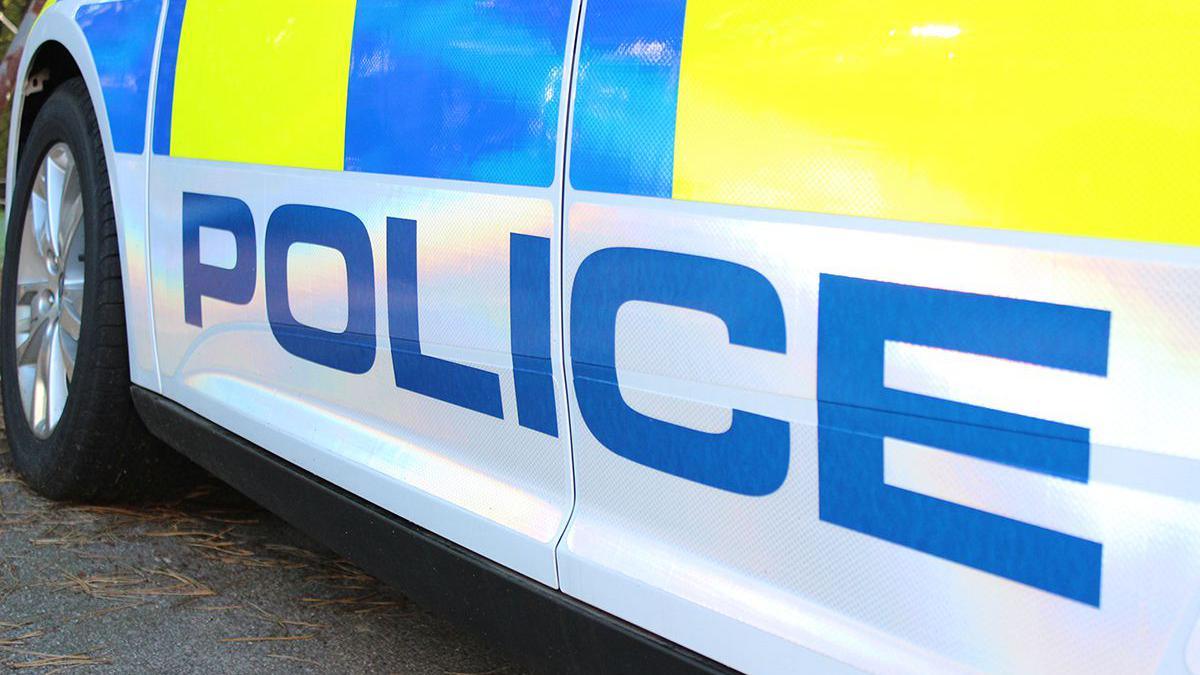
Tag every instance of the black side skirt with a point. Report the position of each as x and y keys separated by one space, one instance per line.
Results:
x=548 y=629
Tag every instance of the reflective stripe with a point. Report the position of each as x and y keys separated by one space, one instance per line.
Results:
x=164 y=97
x=457 y=90
x=1066 y=118
x=121 y=38
x=461 y=90
x=624 y=114
x=1072 y=118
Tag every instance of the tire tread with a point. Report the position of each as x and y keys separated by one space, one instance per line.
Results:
x=101 y=450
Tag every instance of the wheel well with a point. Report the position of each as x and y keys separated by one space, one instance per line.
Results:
x=49 y=68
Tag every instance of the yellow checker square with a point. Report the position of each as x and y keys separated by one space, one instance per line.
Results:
x=264 y=82
x=1065 y=117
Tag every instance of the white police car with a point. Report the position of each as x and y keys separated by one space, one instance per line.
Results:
x=650 y=335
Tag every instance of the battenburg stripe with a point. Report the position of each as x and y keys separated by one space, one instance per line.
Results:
x=121 y=37
x=456 y=90
x=164 y=97
x=623 y=136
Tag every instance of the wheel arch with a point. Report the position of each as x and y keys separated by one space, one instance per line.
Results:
x=51 y=65
x=56 y=52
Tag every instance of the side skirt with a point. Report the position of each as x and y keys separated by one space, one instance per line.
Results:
x=546 y=628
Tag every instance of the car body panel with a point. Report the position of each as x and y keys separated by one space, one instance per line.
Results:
x=977 y=419
x=780 y=562
x=387 y=421
x=828 y=338
x=485 y=482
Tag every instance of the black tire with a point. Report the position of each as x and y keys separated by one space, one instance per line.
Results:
x=99 y=450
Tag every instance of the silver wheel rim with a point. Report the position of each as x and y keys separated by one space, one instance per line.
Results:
x=50 y=290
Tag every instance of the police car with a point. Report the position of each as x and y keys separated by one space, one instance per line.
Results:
x=642 y=336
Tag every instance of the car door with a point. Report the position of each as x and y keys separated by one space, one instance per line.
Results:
x=882 y=327
x=354 y=217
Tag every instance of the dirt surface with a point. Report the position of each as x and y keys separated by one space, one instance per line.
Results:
x=208 y=583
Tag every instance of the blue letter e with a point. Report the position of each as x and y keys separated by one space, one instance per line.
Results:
x=856 y=412
x=751 y=457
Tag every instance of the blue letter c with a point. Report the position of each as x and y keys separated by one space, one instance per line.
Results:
x=751 y=457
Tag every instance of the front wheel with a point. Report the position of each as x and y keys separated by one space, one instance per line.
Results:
x=64 y=363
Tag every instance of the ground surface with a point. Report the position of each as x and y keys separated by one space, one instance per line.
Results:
x=206 y=584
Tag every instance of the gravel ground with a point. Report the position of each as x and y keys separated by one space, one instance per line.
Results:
x=209 y=583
